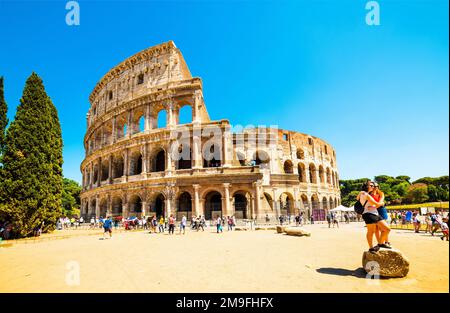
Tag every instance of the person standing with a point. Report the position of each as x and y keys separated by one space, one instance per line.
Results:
x=416 y=222
x=329 y=218
x=378 y=196
x=183 y=225
x=161 y=224
x=372 y=218
x=230 y=223
x=171 y=224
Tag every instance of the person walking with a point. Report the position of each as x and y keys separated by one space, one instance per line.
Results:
x=183 y=224
x=329 y=218
x=219 y=224
x=336 y=219
x=107 y=227
x=416 y=222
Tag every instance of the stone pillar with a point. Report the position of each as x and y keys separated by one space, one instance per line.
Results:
x=197 y=152
x=170 y=114
x=114 y=130
x=226 y=201
x=91 y=175
x=147 y=118
x=276 y=206
x=169 y=165
x=99 y=173
x=196 y=108
x=258 y=206
x=296 y=204
x=144 y=208
x=226 y=158
x=168 y=207
x=110 y=179
x=144 y=159
x=129 y=122
x=196 y=207
x=125 y=210
x=109 y=211
x=125 y=165
x=97 y=206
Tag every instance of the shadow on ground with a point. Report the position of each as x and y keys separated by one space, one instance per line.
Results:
x=359 y=272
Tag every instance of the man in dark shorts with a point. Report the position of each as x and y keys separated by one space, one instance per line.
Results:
x=107 y=227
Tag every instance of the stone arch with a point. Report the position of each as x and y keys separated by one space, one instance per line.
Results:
x=304 y=201
x=121 y=125
x=325 y=205
x=118 y=166
x=158 y=204
x=184 y=114
x=183 y=159
x=288 y=167
x=321 y=174
x=96 y=170
x=213 y=204
x=286 y=201
x=317 y=212
x=300 y=154
x=312 y=173
x=103 y=207
x=92 y=207
x=184 y=205
x=267 y=202
x=241 y=158
x=261 y=158
x=332 y=203
x=158 y=161
x=210 y=153
x=241 y=204
x=161 y=118
x=117 y=205
x=135 y=163
x=135 y=204
x=137 y=120
x=328 y=176
x=301 y=172
x=105 y=170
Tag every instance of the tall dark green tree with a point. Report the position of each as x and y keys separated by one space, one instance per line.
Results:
x=3 y=118
x=32 y=160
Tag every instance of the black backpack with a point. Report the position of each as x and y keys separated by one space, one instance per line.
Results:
x=359 y=208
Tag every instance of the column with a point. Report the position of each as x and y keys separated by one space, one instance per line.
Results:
x=99 y=173
x=257 y=206
x=196 y=151
x=125 y=165
x=196 y=200
x=109 y=212
x=144 y=208
x=144 y=159
x=125 y=210
x=91 y=175
x=296 y=206
x=129 y=122
x=168 y=207
x=97 y=206
x=226 y=201
x=169 y=165
x=225 y=147
x=275 y=204
x=110 y=179
x=170 y=114
x=147 y=117
x=196 y=107
x=114 y=130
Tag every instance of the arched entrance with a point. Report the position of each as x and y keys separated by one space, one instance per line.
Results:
x=103 y=207
x=184 y=206
x=159 y=205
x=317 y=212
x=117 y=209
x=213 y=205
x=159 y=162
x=286 y=201
x=135 y=205
x=241 y=200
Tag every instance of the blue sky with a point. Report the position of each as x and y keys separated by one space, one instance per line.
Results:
x=378 y=94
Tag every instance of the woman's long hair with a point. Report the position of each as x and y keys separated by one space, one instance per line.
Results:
x=365 y=186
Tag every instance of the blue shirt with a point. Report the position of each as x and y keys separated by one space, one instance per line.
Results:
x=107 y=223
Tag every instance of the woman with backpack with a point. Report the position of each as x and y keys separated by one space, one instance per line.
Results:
x=372 y=218
x=378 y=196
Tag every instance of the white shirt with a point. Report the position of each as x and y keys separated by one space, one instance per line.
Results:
x=368 y=208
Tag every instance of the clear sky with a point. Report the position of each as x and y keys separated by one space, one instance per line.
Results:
x=378 y=94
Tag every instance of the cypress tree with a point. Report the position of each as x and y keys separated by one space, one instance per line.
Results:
x=3 y=117
x=32 y=171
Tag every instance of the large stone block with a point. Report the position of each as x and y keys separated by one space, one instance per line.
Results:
x=280 y=229
x=387 y=263
x=296 y=231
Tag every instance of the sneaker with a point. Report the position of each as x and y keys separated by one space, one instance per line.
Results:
x=385 y=246
x=442 y=238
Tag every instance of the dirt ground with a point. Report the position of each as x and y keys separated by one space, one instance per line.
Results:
x=240 y=261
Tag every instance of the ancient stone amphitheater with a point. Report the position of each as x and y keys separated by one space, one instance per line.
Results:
x=142 y=159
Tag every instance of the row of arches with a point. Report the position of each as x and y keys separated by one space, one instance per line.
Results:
x=314 y=175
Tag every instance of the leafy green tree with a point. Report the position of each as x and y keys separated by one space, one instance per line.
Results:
x=403 y=177
x=417 y=193
x=3 y=118
x=70 y=197
x=401 y=189
x=32 y=162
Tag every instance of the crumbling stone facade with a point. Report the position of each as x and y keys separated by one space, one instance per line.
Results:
x=133 y=166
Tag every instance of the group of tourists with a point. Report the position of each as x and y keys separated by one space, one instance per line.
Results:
x=333 y=219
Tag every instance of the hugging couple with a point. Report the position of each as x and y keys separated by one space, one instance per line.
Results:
x=374 y=215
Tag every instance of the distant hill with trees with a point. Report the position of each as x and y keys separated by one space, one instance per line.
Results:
x=400 y=189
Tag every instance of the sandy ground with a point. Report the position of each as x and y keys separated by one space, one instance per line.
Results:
x=251 y=261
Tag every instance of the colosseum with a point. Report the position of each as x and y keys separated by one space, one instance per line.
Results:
x=142 y=159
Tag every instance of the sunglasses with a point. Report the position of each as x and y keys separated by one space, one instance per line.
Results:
x=371 y=186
